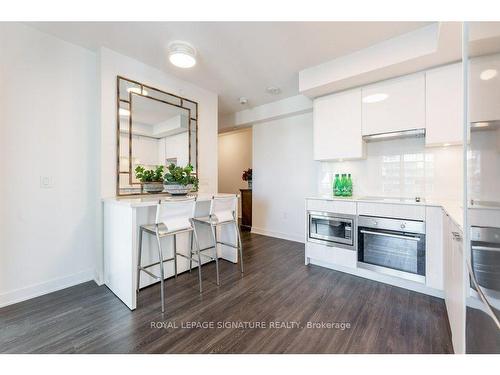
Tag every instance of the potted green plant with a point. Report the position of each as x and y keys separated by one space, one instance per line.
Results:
x=151 y=179
x=180 y=180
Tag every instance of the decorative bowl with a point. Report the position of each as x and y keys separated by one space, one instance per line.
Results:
x=178 y=189
x=153 y=187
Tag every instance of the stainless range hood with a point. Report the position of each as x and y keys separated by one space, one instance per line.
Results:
x=413 y=133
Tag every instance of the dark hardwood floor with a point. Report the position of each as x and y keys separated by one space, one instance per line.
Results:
x=276 y=287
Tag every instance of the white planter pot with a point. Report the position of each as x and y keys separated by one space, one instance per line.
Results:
x=177 y=189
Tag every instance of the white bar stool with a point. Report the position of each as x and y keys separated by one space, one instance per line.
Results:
x=173 y=217
x=222 y=212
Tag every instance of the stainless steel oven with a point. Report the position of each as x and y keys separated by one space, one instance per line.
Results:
x=332 y=229
x=485 y=258
x=392 y=246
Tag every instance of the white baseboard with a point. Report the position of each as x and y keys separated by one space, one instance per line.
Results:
x=36 y=290
x=284 y=236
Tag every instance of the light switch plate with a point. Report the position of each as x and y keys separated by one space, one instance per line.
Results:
x=46 y=182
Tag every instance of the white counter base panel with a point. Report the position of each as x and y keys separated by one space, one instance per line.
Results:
x=122 y=219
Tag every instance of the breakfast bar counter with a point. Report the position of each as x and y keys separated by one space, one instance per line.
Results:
x=122 y=218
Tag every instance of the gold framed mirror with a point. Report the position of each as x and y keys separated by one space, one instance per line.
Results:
x=153 y=128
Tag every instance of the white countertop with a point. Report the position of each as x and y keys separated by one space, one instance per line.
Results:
x=152 y=199
x=454 y=209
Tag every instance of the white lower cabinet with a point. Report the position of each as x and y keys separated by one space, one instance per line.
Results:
x=454 y=282
x=332 y=206
x=434 y=247
x=400 y=211
x=332 y=255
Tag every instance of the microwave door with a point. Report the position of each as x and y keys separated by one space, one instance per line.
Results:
x=330 y=229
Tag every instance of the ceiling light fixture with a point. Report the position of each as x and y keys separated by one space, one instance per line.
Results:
x=446 y=144
x=273 y=90
x=243 y=100
x=375 y=98
x=488 y=74
x=137 y=90
x=182 y=54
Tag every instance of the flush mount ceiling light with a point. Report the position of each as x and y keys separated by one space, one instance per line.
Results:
x=488 y=74
x=124 y=112
x=243 y=100
x=375 y=98
x=273 y=90
x=182 y=54
x=137 y=90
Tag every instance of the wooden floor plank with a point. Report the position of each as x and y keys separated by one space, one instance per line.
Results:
x=276 y=288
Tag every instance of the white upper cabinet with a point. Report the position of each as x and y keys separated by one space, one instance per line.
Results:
x=484 y=91
x=337 y=126
x=444 y=105
x=394 y=105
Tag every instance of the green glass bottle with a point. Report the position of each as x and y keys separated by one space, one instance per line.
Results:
x=349 y=185
x=343 y=185
x=336 y=183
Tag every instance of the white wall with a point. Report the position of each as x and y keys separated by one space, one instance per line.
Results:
x=48 y=127
x=284 y=174
x=112 y=64
x=401 y=168
x=235 y=156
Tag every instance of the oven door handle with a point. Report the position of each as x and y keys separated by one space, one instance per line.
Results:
x=485 y=248
x=390 y=235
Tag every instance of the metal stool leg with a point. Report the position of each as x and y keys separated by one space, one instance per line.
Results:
x=199 y=257
x=240 y=244
x=191 y=251
x=160 y=255
x=175 y=255
x=214 y=235
x=139 y=261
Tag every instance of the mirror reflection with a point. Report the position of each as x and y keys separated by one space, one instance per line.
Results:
x=153 y=132
x=160 y=133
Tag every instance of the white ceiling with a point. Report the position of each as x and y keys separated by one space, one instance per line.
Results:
x=234 y=58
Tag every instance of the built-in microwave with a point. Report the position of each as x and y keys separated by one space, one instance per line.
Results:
x=338 y=230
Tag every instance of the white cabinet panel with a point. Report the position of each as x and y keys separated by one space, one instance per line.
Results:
x=337 y=126
x=399 y=211
x=484 y=89
x=332 y=255
x=337 y=207
x=402 y=109
x=444 y=105
x=434 y=247
x=454 y=284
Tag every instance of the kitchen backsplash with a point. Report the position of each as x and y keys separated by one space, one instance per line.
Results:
x=400 y=168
